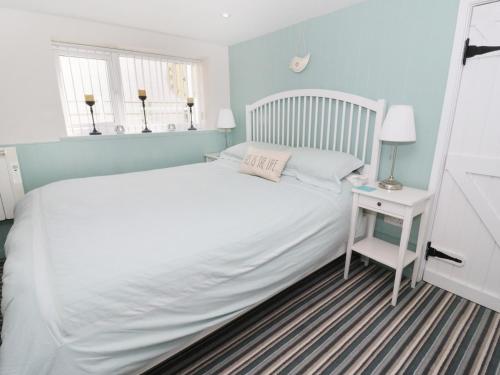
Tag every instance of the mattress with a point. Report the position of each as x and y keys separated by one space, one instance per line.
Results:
x=111 y=274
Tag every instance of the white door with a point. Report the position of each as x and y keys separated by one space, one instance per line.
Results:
x=467 y=221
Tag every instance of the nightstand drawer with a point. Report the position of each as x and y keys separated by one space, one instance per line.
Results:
x=383 y=206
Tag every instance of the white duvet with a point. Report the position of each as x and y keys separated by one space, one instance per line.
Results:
x=109 y=275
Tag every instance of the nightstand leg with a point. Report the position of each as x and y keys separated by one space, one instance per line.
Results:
x=370 y=226
x=403 y=245
x=352 y=233
x=370 y=229
x=366 y=260
x=420 y=244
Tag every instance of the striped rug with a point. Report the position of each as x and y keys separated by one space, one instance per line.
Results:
x=326 y=325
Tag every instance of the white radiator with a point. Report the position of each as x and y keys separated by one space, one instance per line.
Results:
x=11 y=183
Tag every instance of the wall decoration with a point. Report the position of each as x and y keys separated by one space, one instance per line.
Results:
x=302 y=57
x=298 y=63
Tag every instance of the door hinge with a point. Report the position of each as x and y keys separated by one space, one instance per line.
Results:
x=432 y=252
x=471 y=51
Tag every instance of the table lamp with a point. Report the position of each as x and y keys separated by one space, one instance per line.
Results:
x=398 y=127
x=226 y=121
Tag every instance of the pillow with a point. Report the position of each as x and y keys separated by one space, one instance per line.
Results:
x=239 y=151
x=267 y=164
x=321 y=168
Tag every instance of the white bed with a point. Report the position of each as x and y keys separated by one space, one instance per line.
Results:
x=110 y=275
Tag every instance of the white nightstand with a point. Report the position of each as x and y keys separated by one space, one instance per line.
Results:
x=211 y=156
x=404 y=204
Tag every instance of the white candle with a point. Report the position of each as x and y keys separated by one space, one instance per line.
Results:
x=141 y=92
x=190 y=100
x=89 y=98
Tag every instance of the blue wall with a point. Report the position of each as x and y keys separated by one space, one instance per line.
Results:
x=398 y=50
x=42 y=163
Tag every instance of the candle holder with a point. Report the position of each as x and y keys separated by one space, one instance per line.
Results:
x=143 y=97
x=190 y=104
x=89 y=100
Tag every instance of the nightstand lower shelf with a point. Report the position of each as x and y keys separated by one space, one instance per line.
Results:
x=382 y=252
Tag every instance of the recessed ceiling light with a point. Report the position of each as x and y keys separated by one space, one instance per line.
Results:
x=225 y=15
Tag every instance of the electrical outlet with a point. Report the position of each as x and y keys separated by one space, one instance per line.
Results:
x=393 y=221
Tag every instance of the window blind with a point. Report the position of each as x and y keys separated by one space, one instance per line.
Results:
x=114 y=78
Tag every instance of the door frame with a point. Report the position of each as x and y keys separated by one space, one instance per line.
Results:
x=446 y=124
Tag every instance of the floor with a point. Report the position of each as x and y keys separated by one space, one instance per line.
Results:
x=327 y=325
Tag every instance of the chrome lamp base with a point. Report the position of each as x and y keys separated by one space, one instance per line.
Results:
x=390 y=184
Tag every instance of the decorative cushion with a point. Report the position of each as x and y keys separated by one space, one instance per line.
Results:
x=268 y=164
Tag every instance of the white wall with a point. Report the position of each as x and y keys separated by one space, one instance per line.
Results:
x=30 y=107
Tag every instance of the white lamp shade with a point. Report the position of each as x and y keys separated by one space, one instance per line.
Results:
x=399 y=125
x=226 y=119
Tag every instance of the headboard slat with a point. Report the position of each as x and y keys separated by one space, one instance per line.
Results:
x=365 y=139
x=330 y=100
x=342 y=127
x=358 y=125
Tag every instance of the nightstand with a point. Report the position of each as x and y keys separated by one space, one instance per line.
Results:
x=404 y=204
x=211 y=156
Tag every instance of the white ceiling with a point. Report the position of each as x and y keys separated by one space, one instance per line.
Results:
x=197 y=19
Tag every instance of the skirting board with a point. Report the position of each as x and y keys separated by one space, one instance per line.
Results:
x=455 y=286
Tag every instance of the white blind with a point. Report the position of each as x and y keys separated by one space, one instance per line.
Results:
x=114 y=77
x=167 y=83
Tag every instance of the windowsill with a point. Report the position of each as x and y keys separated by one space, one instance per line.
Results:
x=116 y=137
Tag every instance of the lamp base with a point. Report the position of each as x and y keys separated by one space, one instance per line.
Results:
x=390 y=184
x=95 y=132
x=146 y=130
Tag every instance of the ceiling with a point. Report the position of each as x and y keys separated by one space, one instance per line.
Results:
x=197 y=19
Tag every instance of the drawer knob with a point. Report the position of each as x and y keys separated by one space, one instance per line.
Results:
x=379 y=204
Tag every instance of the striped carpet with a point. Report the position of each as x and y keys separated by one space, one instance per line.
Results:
x=325 y=325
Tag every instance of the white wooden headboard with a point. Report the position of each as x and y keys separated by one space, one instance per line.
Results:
x=324 y=119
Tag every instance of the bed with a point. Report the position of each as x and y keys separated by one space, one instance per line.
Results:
x=113 y=274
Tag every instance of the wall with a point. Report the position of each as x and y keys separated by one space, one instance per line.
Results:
x=29 y=98
x=43 y=163
x=398 y=50
x=31 y=115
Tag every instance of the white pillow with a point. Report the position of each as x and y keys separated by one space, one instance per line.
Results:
x=268 y=164
x=316 y=167
x=321 y=168
x=238 y=152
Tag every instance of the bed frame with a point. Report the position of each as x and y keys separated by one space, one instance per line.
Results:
x=323 y=119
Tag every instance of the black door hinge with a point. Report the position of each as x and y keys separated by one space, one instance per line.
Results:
x=432 y=252
x=471 y=51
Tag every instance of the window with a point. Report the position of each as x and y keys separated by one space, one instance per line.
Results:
x=114 y=78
